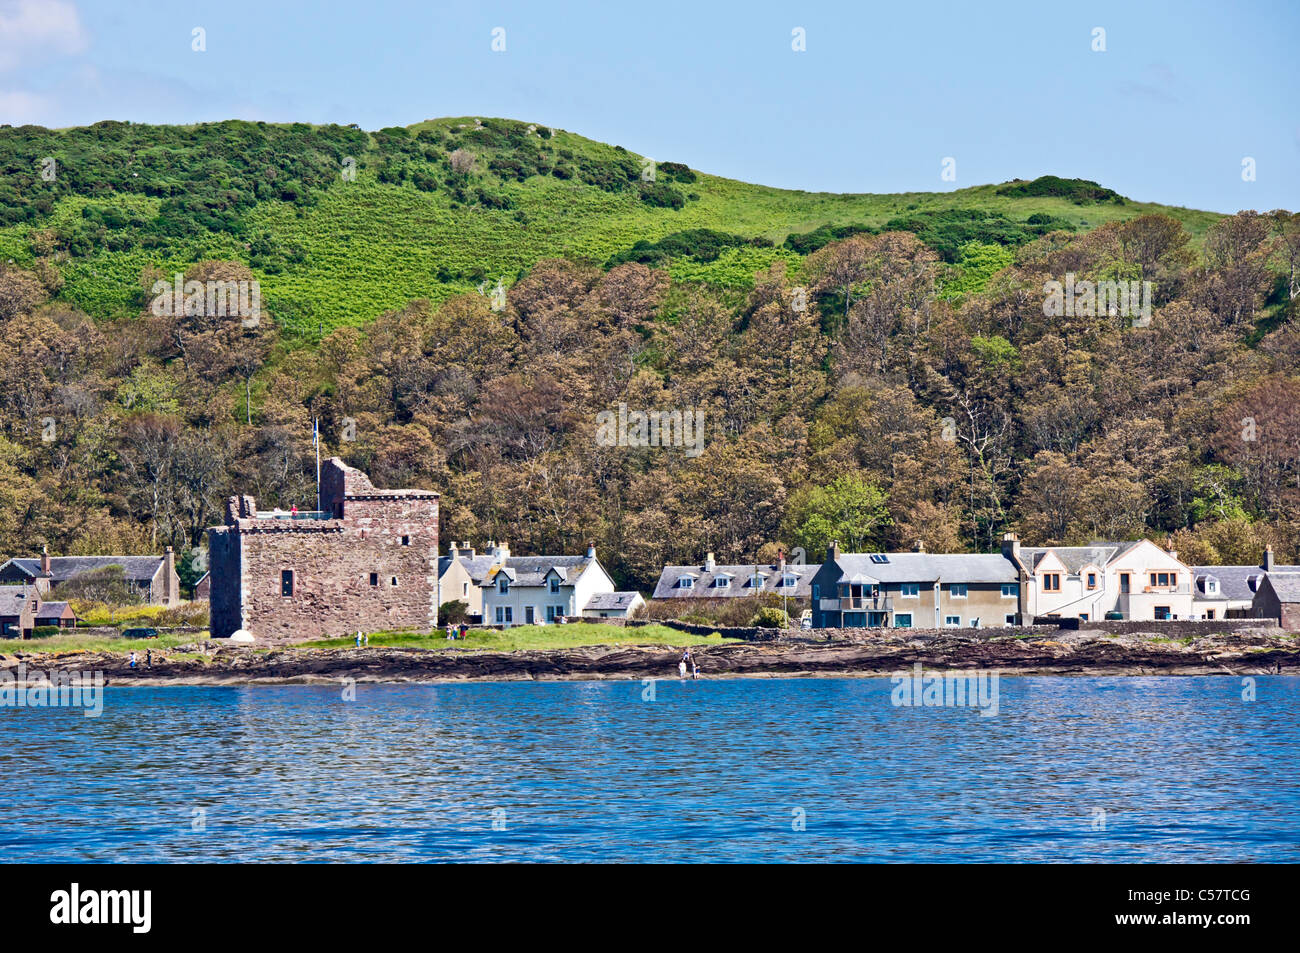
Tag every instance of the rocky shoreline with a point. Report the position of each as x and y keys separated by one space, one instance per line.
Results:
x=1247 y=652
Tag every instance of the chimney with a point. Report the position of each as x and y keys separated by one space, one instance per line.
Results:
x=708 y=562
x=591 y=549
x=780 y=559
x=833 y=551
x=1173 y=553
x=1267 y=564
x=920 y=546
x=170 y=594
x=503 y=549
x=45 y=562
x=1011 y=546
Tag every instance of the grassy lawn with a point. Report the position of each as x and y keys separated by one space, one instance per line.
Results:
x=74 y=642
x=532 y=637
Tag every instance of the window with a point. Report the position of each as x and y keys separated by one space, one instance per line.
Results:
x=1083 y=617
x=902 y=620
x=953 y=621
x=1092 y=580
x=1010 y=618
x=286 y=582
x=1010 y=590
x=505 y=615
x=789 y=582
x=555 y=584
x=503 y=584
x=374 y=578
x=879 y=558
x=722 y=582
x=393 y=581
x=909 y=589
x=1123 y=582
x=817 y=592
x=1209 y=613
x=1162 y=613
x=406 y=541
x=1211 y=586
x=550 y=613
x=1052 y=582
x=464 y=589
x=957 y=590
x=686 y=582
x=1162 y=579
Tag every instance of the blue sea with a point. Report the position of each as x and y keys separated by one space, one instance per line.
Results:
x=802 y=770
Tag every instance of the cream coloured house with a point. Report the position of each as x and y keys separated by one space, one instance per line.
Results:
x=541 y=590
x=1135 y=581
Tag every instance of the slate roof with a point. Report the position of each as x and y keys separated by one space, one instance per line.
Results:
x=1074 y=558
x=705 y=588
x=476 y=566
x=929 y=567
x=611 y=600
x=1285 y=584
x=533 y=570
x=52 y=610
x=137 y=569
x=1234 y=581
x=12 y=600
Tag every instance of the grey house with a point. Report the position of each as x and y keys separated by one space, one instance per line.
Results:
x=712 y=580
x=154 y=577
x=1229 y=591
x=1279 y=598
x=915 y=590
x=18 y=608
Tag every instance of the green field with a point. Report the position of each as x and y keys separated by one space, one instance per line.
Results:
x=332 y=251
x=531 y=638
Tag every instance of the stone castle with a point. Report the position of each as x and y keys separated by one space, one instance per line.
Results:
x=367 y=561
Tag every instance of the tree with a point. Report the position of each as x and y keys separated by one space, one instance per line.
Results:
x=848 y=510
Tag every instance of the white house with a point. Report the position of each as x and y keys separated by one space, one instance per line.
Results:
x=1135 y=581
x=540 y=590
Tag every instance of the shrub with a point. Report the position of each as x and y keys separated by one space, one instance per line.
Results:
x=661 y=195
x=769 y=618
x=453 y=613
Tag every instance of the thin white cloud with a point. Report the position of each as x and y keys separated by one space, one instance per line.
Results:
x=33 y=30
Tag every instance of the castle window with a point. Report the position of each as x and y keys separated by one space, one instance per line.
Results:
x=406 y=541
x=286 y=582
x=393 y=581
x=374 y=578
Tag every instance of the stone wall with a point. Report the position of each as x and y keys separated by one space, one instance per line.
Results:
x=374 y=569
x=1173 y=629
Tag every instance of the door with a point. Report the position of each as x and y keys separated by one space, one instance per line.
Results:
x=528 y=615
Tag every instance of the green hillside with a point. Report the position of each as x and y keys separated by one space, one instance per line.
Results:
x=331 y=249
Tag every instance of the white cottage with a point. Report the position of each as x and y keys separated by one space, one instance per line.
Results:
x=541 y=590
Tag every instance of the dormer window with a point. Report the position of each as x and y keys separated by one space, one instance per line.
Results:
x=555 y=584
x=686 y=582
x=503 y=585
x=789 y=582
x=722 y=582
x=1253 y=582
x=755 y=582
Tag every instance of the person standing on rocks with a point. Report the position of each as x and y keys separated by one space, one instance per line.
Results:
x=681 y=664
x=133 y=660
x=148 y=658
x=358 y=638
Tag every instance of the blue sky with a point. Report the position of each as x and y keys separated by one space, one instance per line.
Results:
x=881 y=95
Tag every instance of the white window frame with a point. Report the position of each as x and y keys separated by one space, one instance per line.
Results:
x=952 y=621
x=903 y=592
x=953 y=590
x=1014 y=588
